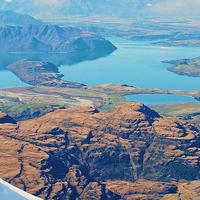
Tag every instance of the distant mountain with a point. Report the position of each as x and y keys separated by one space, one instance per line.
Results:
x=13 y=18
x=119 y=8
x=115 y=8
x=52 y=38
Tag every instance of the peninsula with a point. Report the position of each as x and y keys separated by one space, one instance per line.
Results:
x=188 y=67
x=40 y=73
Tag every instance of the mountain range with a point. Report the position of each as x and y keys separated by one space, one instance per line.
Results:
x=23 y=33
x=119 y=8
x=13 y=18
x=51 y=38
x=122 y=8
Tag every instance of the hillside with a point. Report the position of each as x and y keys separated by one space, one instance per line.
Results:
x=187 y=67
x=17 y=19
x=82 y=153
x=40 y=73
x=52 y=38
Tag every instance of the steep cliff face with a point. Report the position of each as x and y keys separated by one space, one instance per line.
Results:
x=86 y=154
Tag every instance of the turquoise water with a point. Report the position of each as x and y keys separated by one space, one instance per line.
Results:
x=153 y=99
x=135 y=63
x=9 y=80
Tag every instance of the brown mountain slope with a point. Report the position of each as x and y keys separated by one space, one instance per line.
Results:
x=86 y=154
x=4 y=118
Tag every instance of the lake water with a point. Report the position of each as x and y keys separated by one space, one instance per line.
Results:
x=153 y=99
x=137 y=64
x=9 y=80
x=133 y=63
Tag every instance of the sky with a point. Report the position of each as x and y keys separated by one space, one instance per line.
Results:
x=34 y=7
x=178 y=7
x=65 y=7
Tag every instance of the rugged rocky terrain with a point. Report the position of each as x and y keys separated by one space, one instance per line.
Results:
x=128 y=153
x=188 y=67
x=40 y=73
x=4 y=118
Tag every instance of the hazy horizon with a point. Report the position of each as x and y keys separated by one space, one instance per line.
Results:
x=121 y=8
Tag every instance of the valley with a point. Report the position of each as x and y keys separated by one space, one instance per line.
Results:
x=66 y=75
x=30 y=102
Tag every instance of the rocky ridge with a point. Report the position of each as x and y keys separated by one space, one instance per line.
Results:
x=86 y=154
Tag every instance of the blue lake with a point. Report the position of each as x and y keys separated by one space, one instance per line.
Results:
x=137 y=64
x=153 y=99
x=9 y=80
x=133 y=63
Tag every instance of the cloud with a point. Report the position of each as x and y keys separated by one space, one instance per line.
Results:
x=149 y=4
x=40 y=2
x=35 y=3
x=51 y=8
x=47 y=8
x=50 y=2
x=178 y=7
x=8 y=1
